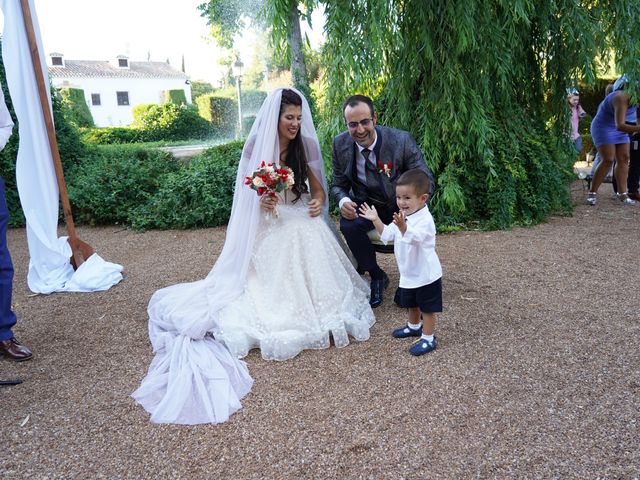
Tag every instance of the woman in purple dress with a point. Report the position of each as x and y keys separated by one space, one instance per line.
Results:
x=610 y=135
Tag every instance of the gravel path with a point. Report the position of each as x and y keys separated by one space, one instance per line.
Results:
x=537 y=373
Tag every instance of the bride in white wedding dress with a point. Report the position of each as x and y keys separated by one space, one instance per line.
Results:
x=282 y=282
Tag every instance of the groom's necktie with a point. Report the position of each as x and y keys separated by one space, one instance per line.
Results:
x=374 y=181
x=369 y=167
x=365 y=153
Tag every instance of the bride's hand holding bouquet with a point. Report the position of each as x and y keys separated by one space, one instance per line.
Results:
x=269 y=180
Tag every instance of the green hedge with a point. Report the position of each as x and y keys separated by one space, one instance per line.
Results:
x=199 y=194
x=154 y=123
x=176 y=97
x=222 y=112
x=114 y=180
x=146 y=188
x=79 y=112
x=111 y=135
x=170 y=122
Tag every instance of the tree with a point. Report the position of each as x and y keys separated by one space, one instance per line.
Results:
x=227 y=18
x=199 y=88
x=481 y=86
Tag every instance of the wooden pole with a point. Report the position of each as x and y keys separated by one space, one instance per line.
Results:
x=80 y=250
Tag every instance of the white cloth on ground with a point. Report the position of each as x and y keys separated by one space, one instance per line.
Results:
x=50 y=269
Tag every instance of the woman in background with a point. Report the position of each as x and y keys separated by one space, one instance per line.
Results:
x=615 y=120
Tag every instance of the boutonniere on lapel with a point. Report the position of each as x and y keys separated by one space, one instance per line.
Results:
x=385 y=168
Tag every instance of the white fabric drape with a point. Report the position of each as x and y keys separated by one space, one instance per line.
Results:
x=49 y=267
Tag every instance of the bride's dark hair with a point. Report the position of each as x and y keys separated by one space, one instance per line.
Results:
x=295 y=159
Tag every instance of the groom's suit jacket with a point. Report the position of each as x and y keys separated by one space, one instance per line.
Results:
x=392 y=146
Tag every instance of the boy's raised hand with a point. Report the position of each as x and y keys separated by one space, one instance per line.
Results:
x=368 y=212
x=398 y=219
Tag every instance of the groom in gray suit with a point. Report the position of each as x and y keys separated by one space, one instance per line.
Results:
x=367 y=160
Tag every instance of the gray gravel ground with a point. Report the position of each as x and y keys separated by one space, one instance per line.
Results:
x=536 y=374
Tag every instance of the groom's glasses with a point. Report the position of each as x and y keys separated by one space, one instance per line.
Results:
x=365 y=122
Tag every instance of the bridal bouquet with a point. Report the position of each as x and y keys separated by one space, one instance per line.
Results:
x=268 y=179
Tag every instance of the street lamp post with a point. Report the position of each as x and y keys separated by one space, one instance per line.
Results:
x=237 y=72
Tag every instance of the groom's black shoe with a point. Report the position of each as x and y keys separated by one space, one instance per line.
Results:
x=377 y=289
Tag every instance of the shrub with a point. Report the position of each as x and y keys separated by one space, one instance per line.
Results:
x=200 y=194
x=222 y=112
x=114 y=180
x=111 y=135
x=199 y=88
x=77 y=109
x=170 y=122
x=176 y=97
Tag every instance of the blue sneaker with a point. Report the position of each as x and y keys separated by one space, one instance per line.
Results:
x=407 y=332
x=423 y=346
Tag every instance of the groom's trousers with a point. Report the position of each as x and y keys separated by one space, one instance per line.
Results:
x=7 y=317
x=355 y=233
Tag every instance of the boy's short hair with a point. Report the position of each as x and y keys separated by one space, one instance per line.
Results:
x=417 y=179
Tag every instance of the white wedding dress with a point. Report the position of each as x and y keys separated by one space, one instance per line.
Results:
x=301 y=290
x=281 y=284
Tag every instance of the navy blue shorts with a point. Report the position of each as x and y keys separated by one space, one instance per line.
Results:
x=427 y=298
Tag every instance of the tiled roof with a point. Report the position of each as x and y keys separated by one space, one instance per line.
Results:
x=104 y=69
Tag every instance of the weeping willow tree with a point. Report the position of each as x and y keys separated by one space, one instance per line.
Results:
x=481 y=85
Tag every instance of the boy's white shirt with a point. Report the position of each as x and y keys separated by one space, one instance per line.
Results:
x=415 y=251
x=6 y=123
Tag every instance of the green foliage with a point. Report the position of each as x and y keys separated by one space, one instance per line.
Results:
x=170 y=122
x=176 y=97
x=146 y=188
x=226 y=18
x=111 y=135
x=70 y=145
x=113 y=181
x=198 y=195
x=152 y=123
x=79 y=113
x=481 y=86
x=199 y=88
x=222 y=112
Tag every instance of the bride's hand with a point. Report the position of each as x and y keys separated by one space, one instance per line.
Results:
x=315 y=207
x=268 y=202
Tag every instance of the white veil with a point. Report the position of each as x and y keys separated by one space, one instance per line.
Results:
x=193 y=378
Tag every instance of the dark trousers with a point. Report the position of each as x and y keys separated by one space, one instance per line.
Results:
x=633 y=176
x=7 y=317
x=355 y=233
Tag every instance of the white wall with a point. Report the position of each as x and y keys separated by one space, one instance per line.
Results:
x=109 y=113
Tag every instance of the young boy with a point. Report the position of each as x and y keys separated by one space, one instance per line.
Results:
x=414 y=239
